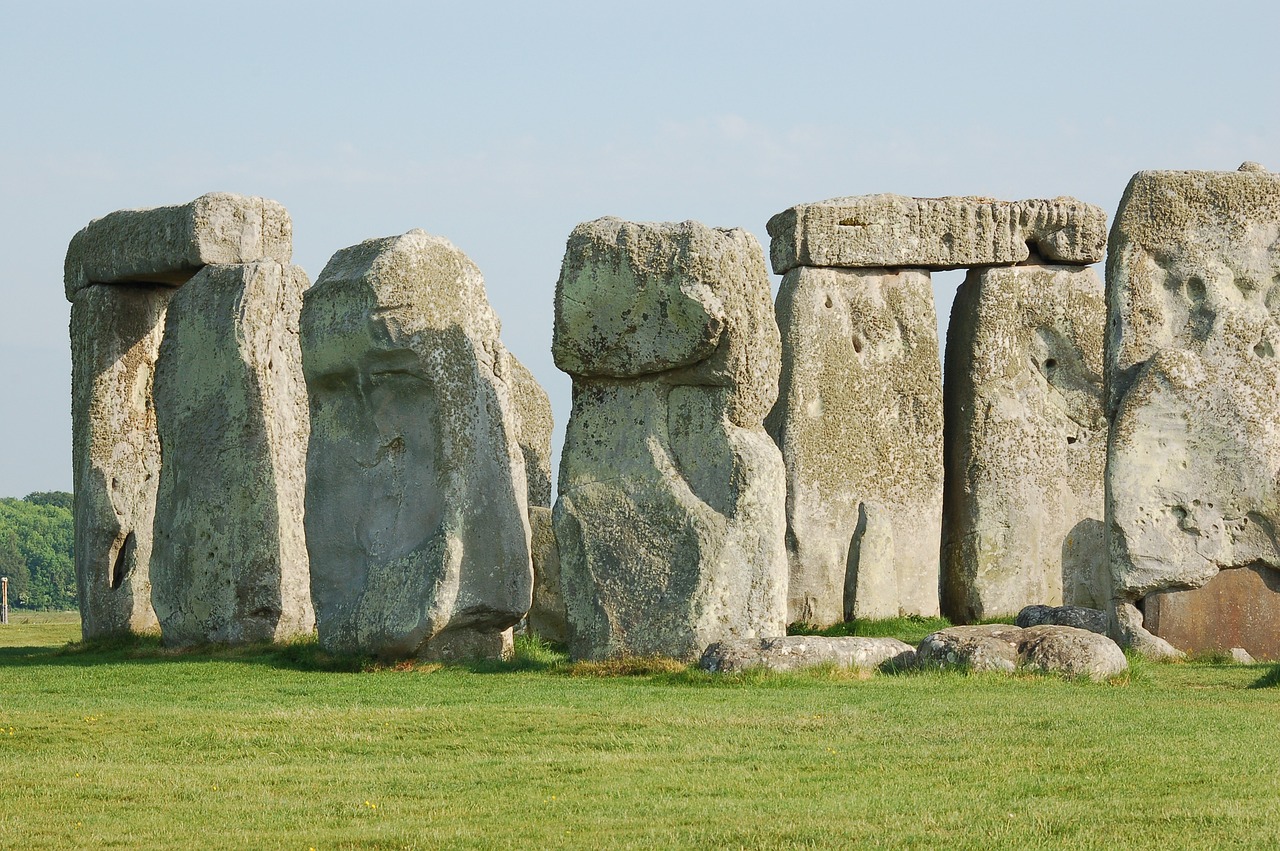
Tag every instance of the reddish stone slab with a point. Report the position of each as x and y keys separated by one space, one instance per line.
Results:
x=1239 y=607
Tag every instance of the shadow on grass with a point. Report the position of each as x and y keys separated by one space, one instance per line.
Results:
x=1271 y=679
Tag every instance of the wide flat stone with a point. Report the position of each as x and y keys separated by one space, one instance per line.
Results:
x=935 y=233
x=168 y=245
x=1238 y=608
x=796 y=652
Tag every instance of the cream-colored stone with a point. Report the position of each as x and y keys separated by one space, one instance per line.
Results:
x=1025 y=443
x=859 y=421
x=1193 y=282
x=547 y=618
x=169 y=245
x=875 y=231
x=417 y=501
x=229 y=562
x=115 y=340
x=797 y=652
x=534 y=425
x=670 y=512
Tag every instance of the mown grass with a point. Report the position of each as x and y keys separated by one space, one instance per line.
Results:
x=129 y=745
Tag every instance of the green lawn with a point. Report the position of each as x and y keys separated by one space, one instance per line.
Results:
x=131 y=746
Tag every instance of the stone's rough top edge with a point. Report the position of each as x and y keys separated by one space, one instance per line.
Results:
x=169 y=244
x=353 y=262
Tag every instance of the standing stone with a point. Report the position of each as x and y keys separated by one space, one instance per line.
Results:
x=417 y=519
x=118 y=274
x=1025 y=443
x=1193 y=289
x=670 y=511
x=115 y=340
x=230 y=560
x=859 y=422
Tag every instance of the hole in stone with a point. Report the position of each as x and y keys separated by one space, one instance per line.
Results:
x=1071 y=438
x=1050 y=363
x=857 y=344
x=1195 y=288
x=120 y=569
x=828 y=301
x=1264 y=349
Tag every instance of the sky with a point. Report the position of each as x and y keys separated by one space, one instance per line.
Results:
x=502 y=125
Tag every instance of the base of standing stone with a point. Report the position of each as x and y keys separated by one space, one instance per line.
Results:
x=1238 y=608
x=456 y=645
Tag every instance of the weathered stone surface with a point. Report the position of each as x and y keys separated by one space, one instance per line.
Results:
x=859 y=422
x=1069 y=651
x=169 y=245
x=229 y=562
x=115 y=340
x=533 y=420
x=1048 y=649
x=872 y=231
x=1080 y=617
x=1242 y=656
x=547 y=617
x=1025 y=443
x=670 y=512
x=987 y=647
x=1193 y=283
x=1238 y=608
x=794 y=652
x=417 y=503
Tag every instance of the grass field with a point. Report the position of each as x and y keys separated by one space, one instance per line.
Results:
x=134 y=746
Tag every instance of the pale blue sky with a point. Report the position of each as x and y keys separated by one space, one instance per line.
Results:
x=501 y=125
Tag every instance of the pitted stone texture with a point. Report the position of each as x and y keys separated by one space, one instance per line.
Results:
x=115 y=340
x=1080 y=617
x=859 y=421
x=1194 y=385
x=670 y=518
x=796 y=652
x=533 y=425
x=417 y=502
x=871 y=231
x=1048 y=649
x=547 y=613
x=168 y=245
x=229 y=563
x=992 y=647
x=1025 y=443
x=1071 y=652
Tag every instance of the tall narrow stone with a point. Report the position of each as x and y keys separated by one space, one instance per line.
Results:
x=230 y=560
x=1025 y=443
x=115 y=340
x=417 y=502
x=859 y=421
x=1193 y=291
x=670 y=511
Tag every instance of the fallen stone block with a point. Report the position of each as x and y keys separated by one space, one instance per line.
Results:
x=1047 y=649
x=796 y=652
x=1080 y=617
x=875 y=231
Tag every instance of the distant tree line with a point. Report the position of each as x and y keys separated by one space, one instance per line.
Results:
x=36 y=538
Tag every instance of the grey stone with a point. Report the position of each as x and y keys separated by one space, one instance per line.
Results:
x=229 y=563
x=169 y=245
x=1071 y=652
x=986 y=647
x=1048 y=649
x=417 y=501
x=1240 y=655
x=547 y=616
x=1025 y=443
x=1080 y=617
x=859 y=422
x=533 y=427
x=795 y=652
x=669 y=520
x=115 y=340
x=1193 y=283
x=873 y=231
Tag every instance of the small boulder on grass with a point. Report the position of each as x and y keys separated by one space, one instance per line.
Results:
x=794 y=652
x=1048 y=649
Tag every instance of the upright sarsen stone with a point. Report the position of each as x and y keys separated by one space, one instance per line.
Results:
x=416 y=506
x=115 y=340
x=1193 y=291
x=230 y=562
x=670 y=511
x=1025 y=443
x=859 y=422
